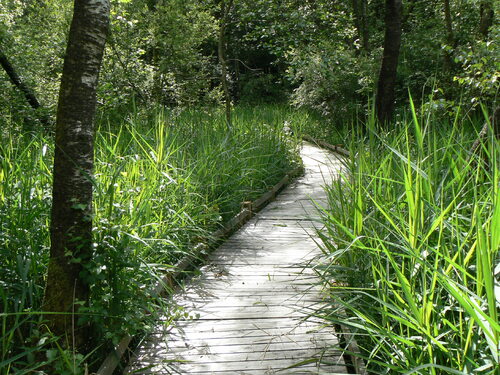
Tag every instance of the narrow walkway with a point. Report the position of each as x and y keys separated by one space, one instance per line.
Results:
x=247 y=308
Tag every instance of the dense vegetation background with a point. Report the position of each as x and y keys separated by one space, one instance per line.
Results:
x=168 y=168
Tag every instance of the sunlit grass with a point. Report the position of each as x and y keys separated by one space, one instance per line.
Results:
x=412 y=250
x=163 y=182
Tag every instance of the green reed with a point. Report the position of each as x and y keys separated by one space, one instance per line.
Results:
x=412 y=249
x=163 y=181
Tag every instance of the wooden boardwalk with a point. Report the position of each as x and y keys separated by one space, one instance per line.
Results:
x=248 y=309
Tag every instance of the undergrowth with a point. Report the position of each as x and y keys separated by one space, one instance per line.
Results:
x=163 y=181
x=411 y=246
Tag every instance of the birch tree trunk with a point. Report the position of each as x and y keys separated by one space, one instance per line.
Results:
x=71 y=218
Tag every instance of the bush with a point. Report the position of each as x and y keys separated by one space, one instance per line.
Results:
x=332 y=81
x=163 y=182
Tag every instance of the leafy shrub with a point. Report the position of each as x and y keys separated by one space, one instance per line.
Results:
x=164 y=180
x=263 y=88
x=332 y=81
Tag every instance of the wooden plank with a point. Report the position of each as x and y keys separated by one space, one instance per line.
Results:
x=264 y=258
x=252 y=270
x=253 y=300
x=269 y=275
x=169 y=369
x=225 y=356
x=195 y=334
x=211 y=366
x=228 y=346
x=304 y=371
x=265 y=324
x=240 y=302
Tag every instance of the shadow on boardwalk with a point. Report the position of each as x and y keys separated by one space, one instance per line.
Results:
x=248 y=308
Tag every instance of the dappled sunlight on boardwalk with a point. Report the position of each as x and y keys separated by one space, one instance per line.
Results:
x=248 y=310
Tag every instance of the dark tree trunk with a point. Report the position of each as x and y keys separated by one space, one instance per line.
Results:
x=384 y=102
x=17 y=81
x=407 y=13
x=487 y=16
x=25 y=90
x=71 y=220
x=360 y=21
x=225 y=9
x=448 y=60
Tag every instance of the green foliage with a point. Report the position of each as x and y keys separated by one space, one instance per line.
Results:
x=331 y=80
x=278 y=26
x=156 y=54
x=163 y=181
x=264 y=88
x=480 y=75
x=33 y=37
x=25 y=185
x=412 y=249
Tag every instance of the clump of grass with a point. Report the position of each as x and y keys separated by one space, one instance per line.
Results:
x=163 y=181
x=25 y=181
x=312 y=124
x=412 y=247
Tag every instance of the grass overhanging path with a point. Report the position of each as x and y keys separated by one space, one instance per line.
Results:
x=248 y=309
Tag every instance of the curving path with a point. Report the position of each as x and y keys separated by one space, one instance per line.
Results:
x=247 y=309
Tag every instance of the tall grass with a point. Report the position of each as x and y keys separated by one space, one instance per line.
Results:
x=412 y=250
x=163 y=181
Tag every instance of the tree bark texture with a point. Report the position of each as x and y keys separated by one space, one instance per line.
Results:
x=18 y=82
x=71 y=217
x=225 y=9
x=384 y=102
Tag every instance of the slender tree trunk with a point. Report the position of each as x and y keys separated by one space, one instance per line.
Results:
x=448 y=60
x=71 y=220
x=360 y=21
x=487 y=17
x=364 y=26
x=18 y=82
x=225 y=9
x=384 y=102
x=21 y=85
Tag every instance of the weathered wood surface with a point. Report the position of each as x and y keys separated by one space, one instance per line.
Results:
x=248 y=312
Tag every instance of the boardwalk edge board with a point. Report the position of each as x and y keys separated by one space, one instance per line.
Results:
x=349 y=345
x=337 y=149
x=164 y=287
x=349 y=339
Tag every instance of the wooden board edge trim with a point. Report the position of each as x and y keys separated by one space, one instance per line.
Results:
x=338 y=149
x=113 y=359
x=166 y=283
x=350 y=345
